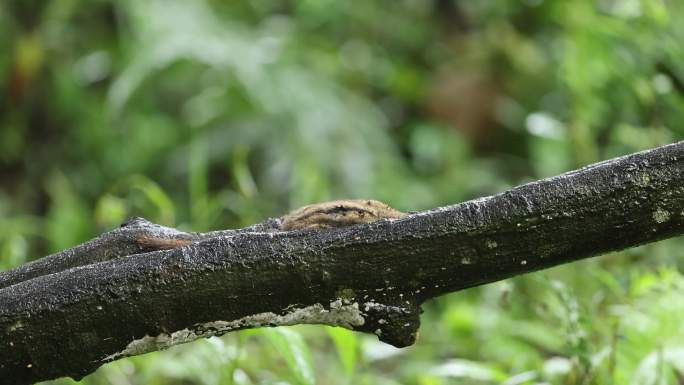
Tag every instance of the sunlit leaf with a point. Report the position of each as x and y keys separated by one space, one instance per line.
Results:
x=347 y=345
x=293 y=349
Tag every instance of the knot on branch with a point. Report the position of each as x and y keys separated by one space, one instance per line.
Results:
x=136 y=222
x=395 y=325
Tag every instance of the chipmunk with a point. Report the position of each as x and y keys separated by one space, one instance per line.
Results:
x=338 y=214
x=324 y=215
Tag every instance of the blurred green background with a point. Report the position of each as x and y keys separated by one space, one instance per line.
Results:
x=217 y=114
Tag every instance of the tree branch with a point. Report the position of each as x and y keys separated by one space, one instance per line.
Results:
x=121 y=242
x=106 y=299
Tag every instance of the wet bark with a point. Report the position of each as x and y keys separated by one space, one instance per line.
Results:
x=71 y=312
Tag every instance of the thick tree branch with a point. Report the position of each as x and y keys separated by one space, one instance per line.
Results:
x=104 y=300
x=120 y=242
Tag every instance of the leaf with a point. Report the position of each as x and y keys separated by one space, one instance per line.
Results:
x=154 y=195
x=68 y=217
x=291 y=346
x=110 y=211
x=347 y=345
x=466 y=369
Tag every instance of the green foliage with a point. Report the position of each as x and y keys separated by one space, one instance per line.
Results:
x=347 y=346
x=210 y=114
x=292 y=348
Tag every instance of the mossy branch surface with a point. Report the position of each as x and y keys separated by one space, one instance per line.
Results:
x=71 y=312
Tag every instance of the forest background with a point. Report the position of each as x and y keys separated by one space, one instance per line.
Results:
x=213 y=114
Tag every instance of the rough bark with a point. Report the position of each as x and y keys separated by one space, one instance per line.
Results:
x=73 y=311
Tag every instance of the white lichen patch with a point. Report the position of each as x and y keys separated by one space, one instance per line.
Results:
x=661 y=216
x=492 y=244
x=371 y=305
x=643 y=180
x=375 y=306
x=16 y=326
x=339 y=314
